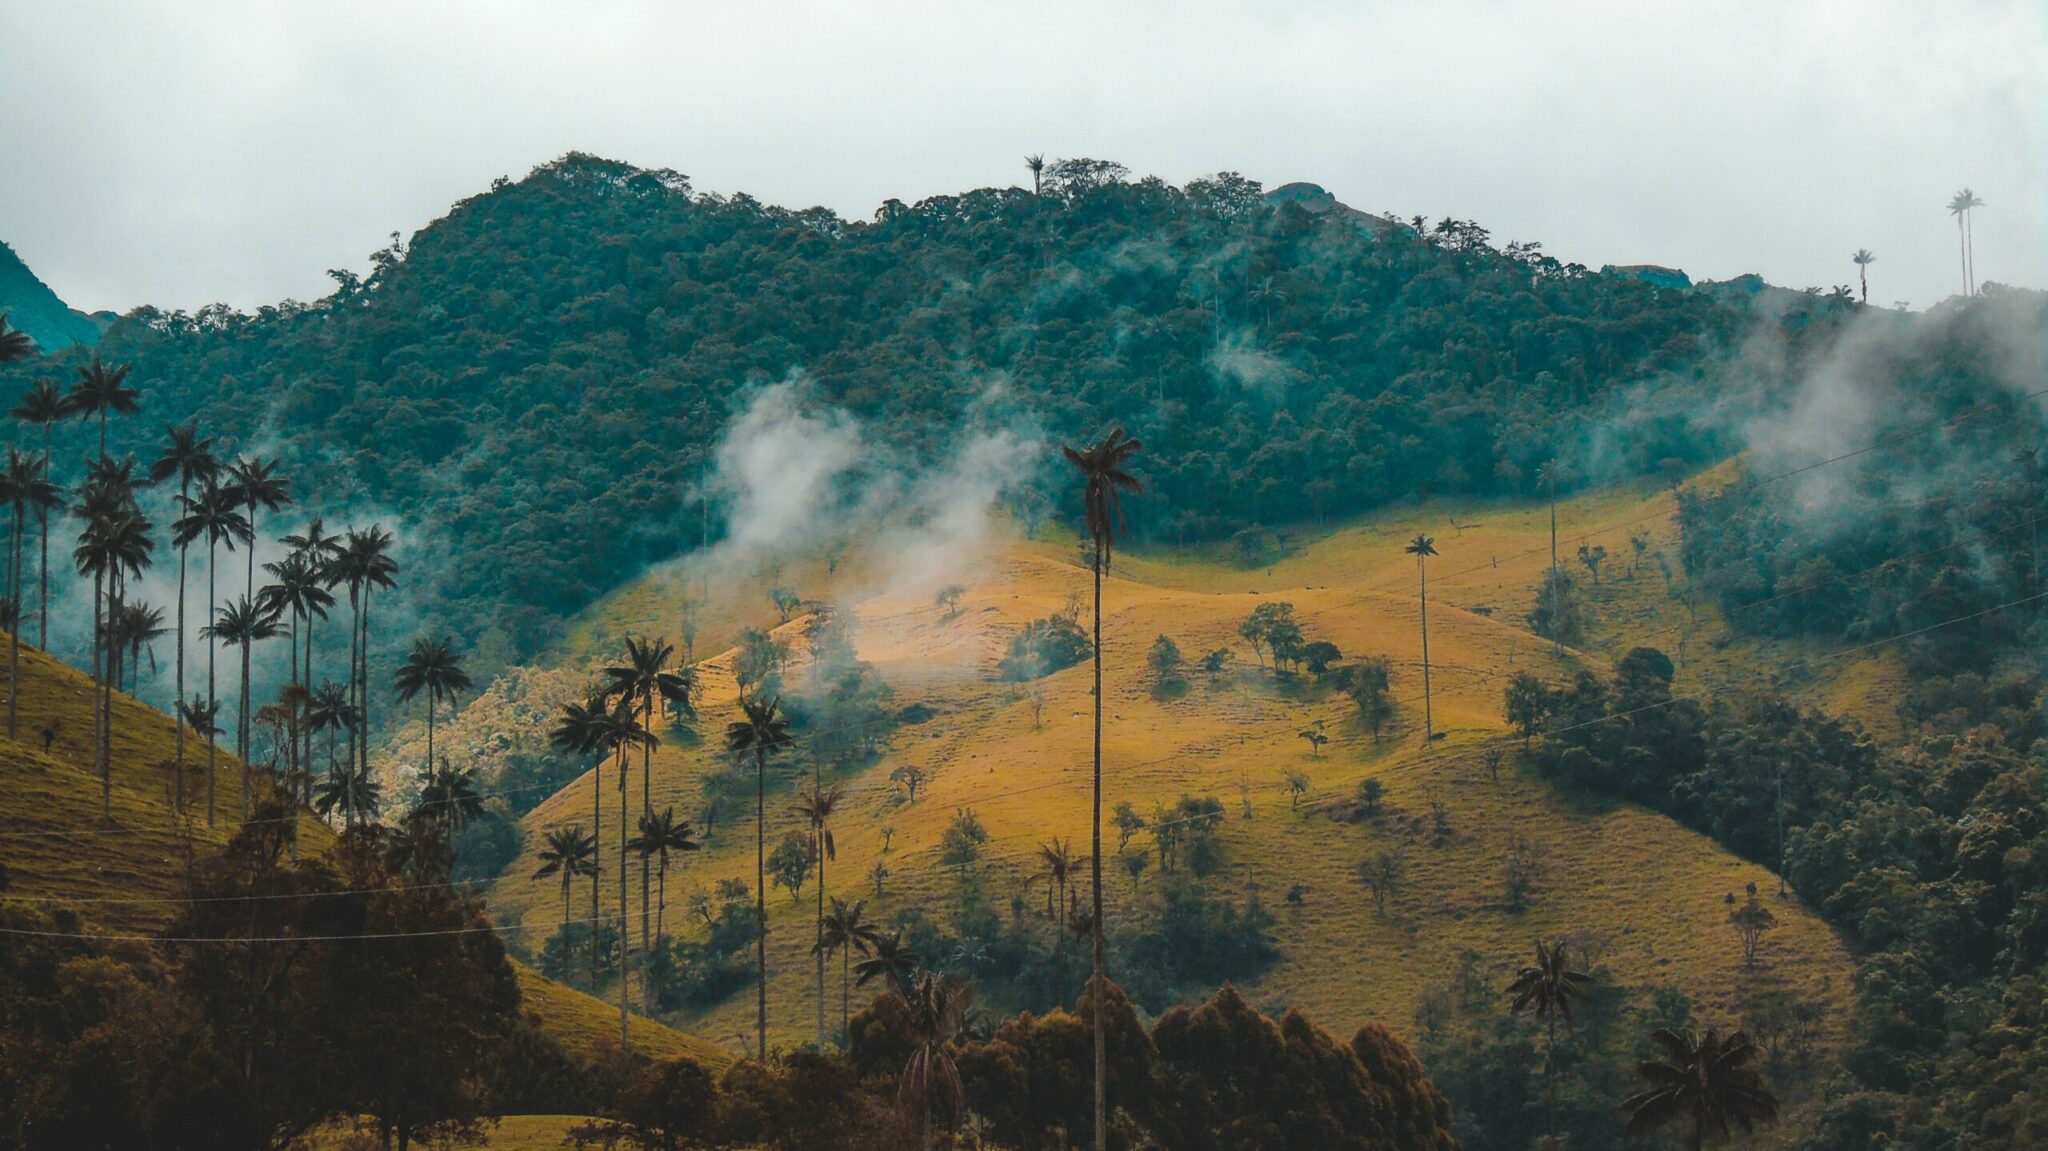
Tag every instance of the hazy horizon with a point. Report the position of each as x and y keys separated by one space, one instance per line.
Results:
x=226 y=151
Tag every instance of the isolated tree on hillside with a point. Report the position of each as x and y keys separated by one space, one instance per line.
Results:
x=846 y=931
x=1863 y=259
x=1422 y=547
x=570 y=852
x=1959 y=206
x=661 y=837
x=188 y=458
x=1705 y=1083
x=101 y=391
x=43 y=406
x=1057 y=864
x=1103 y=479
x=1547 y=989
x=1369 y=683
x=761 y=733
x=15 y=344
x=432 y=667
x=817 y=807
x=1528 y=703
x=1593 y=556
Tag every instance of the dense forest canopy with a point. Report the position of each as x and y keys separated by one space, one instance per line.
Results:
x=536 y=382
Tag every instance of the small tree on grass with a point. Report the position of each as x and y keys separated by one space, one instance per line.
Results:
x=1593 y=557
x=960 y=846
x=1369 y=683
x=1166 y=661
x=1297 y=786
x=1371 y=794
x=911 y=778
x=790 y=863
x=1128 y=823
x=1215 y=662
x=1382 y=875
x=949 y=598
x=786 y=601
x=1751 y=921
x=1316 y=739
x=1134 y=864
x=1529 y=702
x=1319 y=656
x=1519 y=870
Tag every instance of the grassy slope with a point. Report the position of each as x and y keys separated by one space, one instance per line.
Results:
x=1650 y=891
x=54 y=845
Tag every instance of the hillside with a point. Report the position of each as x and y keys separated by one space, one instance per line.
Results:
x=32 y=307
x=1647 y=894
x=126 y=877
x=560 y=352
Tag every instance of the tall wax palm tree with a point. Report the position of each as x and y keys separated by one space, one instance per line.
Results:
x=889 y=961
x=817 y=807
x=434 y=668
x=762 y=733
x=621 y=731
x=244 y=623
x=258 y=485
x=202 y=717
x=319 y=549
x=188 y=458
x=1547 y=989
x=582 y=730
x=661 y=836
x=1103 y=479
x=101 y=390
x=365 y=564
x=570 y=852
x=15 y=344
x=298 y=594
x=136 y=629
x=1959 y=206
x=43 y=406
x=646 y=677
x=1036 y=162
x=1863 y=259
x=114 y=547
x=25 y=484
x=327 y=709
x=1422 y=547
x=1707 y=1084
x=1058 y=867
x=846 y=931
x=352 y=793
x=215 y=514
x=932 y=1015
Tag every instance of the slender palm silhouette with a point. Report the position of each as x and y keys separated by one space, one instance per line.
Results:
x=646 y=677
x=931 y=1014
x=43 y=406
x=570 y=852
x=299 y=595
x=451 y=799
x=214 y=514
x=1058 y=865
x=365 y=564
x=761 y=734
x=1103 y=480
x=15 y=344
x=328 y=710
x=817 y=807
x=350 y=792
x=431 y=667
x=101 y=390
x=243 y=623
x=1863 y=259
x=256 y=482
x=1422 y=547
x=320 y=550
x=846 y=931
x=1707 y=1083
x=187 y=458
x=1547 y=989
x=25 y=484
x=113 y=547
x=1959 y=206
x=661 y=836
x=1036 y=163
x=889 y=961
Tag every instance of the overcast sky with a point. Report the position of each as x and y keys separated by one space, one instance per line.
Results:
x=187 y=152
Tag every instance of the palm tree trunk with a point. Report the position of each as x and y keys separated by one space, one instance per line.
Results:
x=212 y=736
x=99 y=716
x=306 y=734
x=177 y=707
x=363 y=701
x=242 y=726
x=1970 y=242
x=846 y=995
x=646 y=811
x=597 y=853
x=430 y=735
x=43 y=589
x=625 y=937
x=1428 y=719
x=1963 y=253
x=1095 y=867
x=761 y=900
x=660 y=926
x=14 y=628
x=818 y=951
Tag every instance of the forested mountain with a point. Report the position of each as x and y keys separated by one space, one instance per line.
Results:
x=535 y=382
x=31 y=307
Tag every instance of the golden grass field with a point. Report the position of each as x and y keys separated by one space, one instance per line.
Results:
x=1648 y=893
x=124 y=876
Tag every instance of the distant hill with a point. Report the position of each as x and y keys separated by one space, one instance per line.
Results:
x=32 y=307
